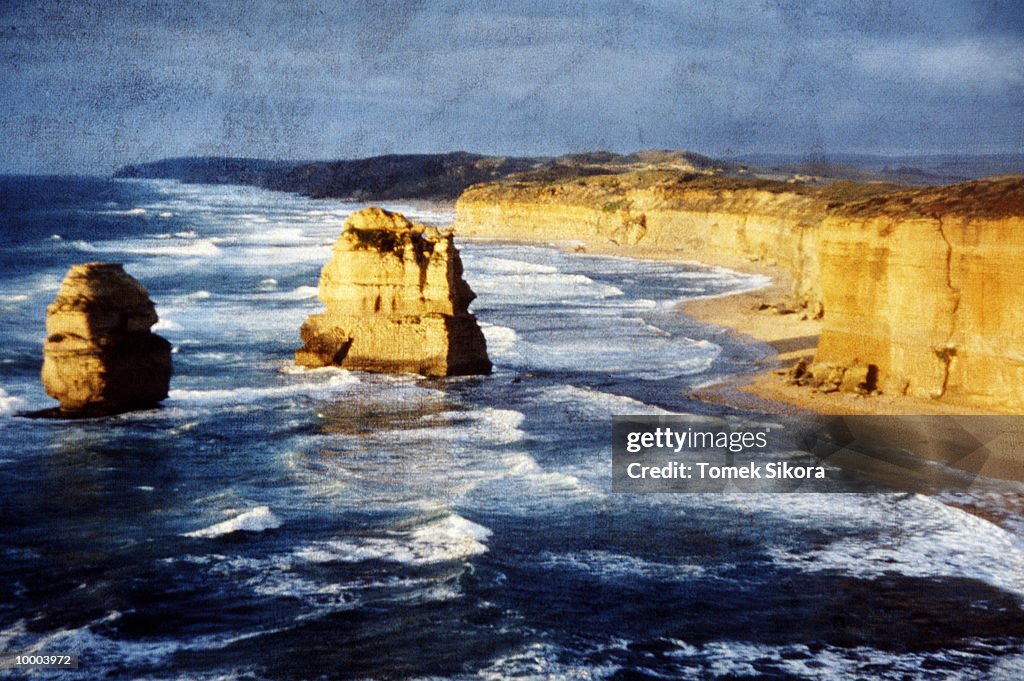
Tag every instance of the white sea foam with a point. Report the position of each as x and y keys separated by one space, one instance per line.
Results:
x=450 y=538
x=524 y=466
x=619 y=568
x=543 y=662
x=280 y=236
x=491 y=265
x=597 y=404
x=917 y=536
x=256 y=520
x=10 y=404
x=655 y=358
x=198 y=248
x=500 y=339
x=298 y=293
x=518 y=282
x=132 y=212
x=479 y=427
x=340 y=380
x=164 y=324
x=86 y=642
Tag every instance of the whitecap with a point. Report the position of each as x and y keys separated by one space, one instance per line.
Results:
x=446 y=539
x=201 y=248
x=336 y=380
x=166 y=325
x=619 y=568
x=500 y=339
x=10 y=404
x=298 y=293
x=256 y=520
x=934 y=540
x=598 y=404
x=491 y=264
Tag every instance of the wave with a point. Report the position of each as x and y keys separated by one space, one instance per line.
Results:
x=164 y=324
x=9 y=404
x=337 y=380
x=199 y=248
x=598 y=404
x=256 y=520
x=492 y=265
x=619 y=568
x=130 y=212
x=298 y=293
x=649 y=356
x=500 y=339
x=110 y=651
x=451 y=538
x=556 y=484
x=935 y=540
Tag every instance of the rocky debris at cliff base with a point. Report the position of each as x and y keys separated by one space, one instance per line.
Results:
x=396 y=302
x=100 y=357
x=806 y=311
x=826 y=377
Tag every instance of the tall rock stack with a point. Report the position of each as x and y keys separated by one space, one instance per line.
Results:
x=100 y=356
x=396 y=302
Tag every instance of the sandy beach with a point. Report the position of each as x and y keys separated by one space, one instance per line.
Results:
x=763 y=316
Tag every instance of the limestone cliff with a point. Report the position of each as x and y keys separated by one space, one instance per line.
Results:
x=713 y=219
x=928 y=286
x=920 y=289
x=396 y=301
x=99 y=356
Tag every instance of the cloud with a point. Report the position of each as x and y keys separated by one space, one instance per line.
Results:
x=90 y=85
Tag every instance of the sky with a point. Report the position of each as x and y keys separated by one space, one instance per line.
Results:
x=86 y=86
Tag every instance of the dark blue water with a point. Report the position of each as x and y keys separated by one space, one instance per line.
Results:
x=274 y=523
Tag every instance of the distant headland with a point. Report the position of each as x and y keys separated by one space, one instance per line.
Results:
x=443 y=177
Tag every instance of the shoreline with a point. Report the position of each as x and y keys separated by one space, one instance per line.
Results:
x=753 y=316
x=788 y=337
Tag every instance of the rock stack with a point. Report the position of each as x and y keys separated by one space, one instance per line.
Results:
x=100 y=357
x=396 y=302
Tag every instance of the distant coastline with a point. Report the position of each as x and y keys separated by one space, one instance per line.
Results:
x=823 y=228
x=443 y=177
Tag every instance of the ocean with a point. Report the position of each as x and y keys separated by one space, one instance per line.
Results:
x=270 y=522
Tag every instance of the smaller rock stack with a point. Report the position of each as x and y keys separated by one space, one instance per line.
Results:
x=100 y=356
x=396 y=302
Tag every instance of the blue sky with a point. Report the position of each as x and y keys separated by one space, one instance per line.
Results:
x=88 y=86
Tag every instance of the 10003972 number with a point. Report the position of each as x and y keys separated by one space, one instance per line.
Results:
x=50 y=661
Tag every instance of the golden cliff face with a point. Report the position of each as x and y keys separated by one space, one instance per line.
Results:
x=928 y=286
x=715 y=220
x=924 y=285
x=396 y=301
